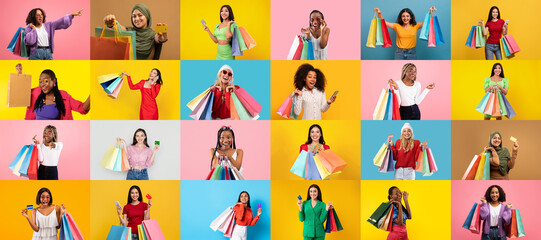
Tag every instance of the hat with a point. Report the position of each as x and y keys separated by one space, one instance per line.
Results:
x=406 y=125
x=225 y=66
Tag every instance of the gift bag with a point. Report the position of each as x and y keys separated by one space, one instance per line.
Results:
x=333 y=223
x=431 y=33
x=480 y=39
x=125 y=162
x=294 y=48
x=23 y=168
x=396 y=107
x=469 y=218
x=520 y=225
x=379 y=32
x=486 y=170
x=11 y=45
x=380 y=213
x=386 y=37
x=299 y=167
x=425 y=29
x=118 y=161
x=311 y=169
x=323 y=172
x=153 y=230
x=216 y=173
x=249 y=103
x=194 y=102
x=510 y=112
x=426 y=165
x=235 y=44
x=292 y=114
x=474 y=39
x=74 y=229
x=505 y=48
x=32 y=171
x=490 y=104
x=336 y=220
x=475 y=226
x=470 y=36
x=388 y=114
x=511 y=230
x=481 y=168
x=127 y=36
x=19 y=90
x=381 y=105
x=383 y=167
x=384 y=222
x=109 y=49
x=285 y=109
x=483 y=103
x=503 y=110
x=437 y=30
x=372 y=32
x=378 y=159
x=247 y=38
x=431 y=162
x=65 y=231
x=331 y=161
x=511 y=44
x=222 y=218
x=109 y=158
x=472 y=168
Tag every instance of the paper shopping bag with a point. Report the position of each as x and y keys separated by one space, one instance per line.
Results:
x=431 y=33
x=248 y=40
x=511 y=44
x=379 y=32
x=481 y=168
x=503 y=110
x=396 y=107
x=299 y=167
x=431 y=162
x=372 y=32
x=385 y=163
x=311 y=168
x=425 y=29
x=386 y=37
x=520 y=225
x=380 y=212
x=194 y=102
x=19 y=90
x=310 y=50
x=511 y=229
x=510 y=112
x=198 y=110
x=75 y=232
x=207 y=111
x=118 y=233
x=480 y=39
x=235 y=44
x=130 y=38
x=475 y=226
x=331 y=161
x=109 y=158
x=293 y=49
x=486 y=170
x=153 y=230
x=378 y=159
x=483 y=103
x=285 y=109
x=221 y=219
x=241 y=110
x=11 y=45
x=32 y=171
x=108 y=49
x=437 y=30
x=472 y=168
x=304 y=53
x=381 y=105
x=249 y=103
x=470 y=36
x=469 y=218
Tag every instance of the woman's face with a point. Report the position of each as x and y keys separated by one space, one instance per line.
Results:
x=134 y=194
x=406 y=17
x=139 y=19
x=225 y=76
x=226 y=139
x=315 y=134
x=140 y=137
x=310 y=80
x=45 y=198
x=407 y=133
x=224 y=13
x=153 y=74
x=314 y=193
x=48 y=135
x=396 y=195
x=46 y=83
x=39 y=17
x=244 y=198
x=494 y=13
x=494 y=194
x=497 y=70
x=315 y=20
x=411 y=73
x=496 y=140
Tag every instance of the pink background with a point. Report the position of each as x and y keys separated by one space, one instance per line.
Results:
x=197 y=137
x=74 y=162
x=288 y=17
x=524 y=196
x=69 y=44
x=376 y=73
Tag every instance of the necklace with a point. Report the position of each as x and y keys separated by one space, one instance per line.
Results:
x=54 y=99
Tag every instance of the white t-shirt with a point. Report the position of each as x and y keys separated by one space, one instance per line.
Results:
x=43 y=37
x=494 y=214
x=49 y=156
x=408 y=96
x=319 y=53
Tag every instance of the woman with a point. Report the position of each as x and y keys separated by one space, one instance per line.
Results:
x=148 y=43
x=500 y=160
x=496 y=83
x=496 y=215
x=45 y=218
x=48 y=153
x=318 y=33
x=315 y=140
x=408 y=92
x=223 y=33
x=398 y=230
x=39 y=34
x=222 y=89
x=495 y=28
x=150 y=89
x=49 y=103
x=243 y=217
x=139 y=155
x=405 y=152
x=135 y=211
x=406 y=33
x=313 y=213
x=226 y=150
x=309 y=85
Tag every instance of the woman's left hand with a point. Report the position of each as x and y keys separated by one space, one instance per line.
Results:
x=509 y=205
x=431 y=86
x=259 y=211
x=515 y=146
x=432 y=9
x=489 y=148
x=323 y=25
x=161 y=37
x=424 y=143
x=78 y=13
x=230 y=88
x=62 y=209
x=150 y=203
x=405 y=196
x=331 y=100
x=329 y=205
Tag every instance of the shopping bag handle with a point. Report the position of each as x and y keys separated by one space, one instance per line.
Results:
x=115 y=30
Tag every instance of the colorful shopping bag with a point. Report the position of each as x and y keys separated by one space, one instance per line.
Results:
x=431 y=162
x=233 y=114
x=469 y=218
x=481 y=168
x=74 y=229
x=474 y=39
x=386 y=37
x=379 y=32
x=153 y=230
x=109 y=158
x=475 y=226
x=503 y=110
x=511 y=44
x=235 y=44
x=431 y=33
x=198 y=110
x=470 y=36
x=11 y=45
x=396 y=107
x=472 y=168
x=372 y=32
x=221 y=219
x=510 y=112
x=108 y=33
x=480 y=39
x=331 y=161
x=249 y=103
x=33 y=166
x=241 y=110
x=384 y=222
x=425 y=29
x=323 y=172
x=247 y=38
x=437 y=30
x=109 y=49
x=285 y=109
x=118 y=233
x=385 y=163
x=426 y=166
x=496 y=111
x=299 y=167
x=23 y=169
x=311 y=169
x=378 y=159
x=294 y=47
x=310 y=50
x=490 y=104
x=24 y=49
x=304 y=53
x=381 y=105
x=380 y=212
x=520 y=224
x=15 y=165
x=207 y=111
x=194 y=102
x=388 y=115
x=483 y=103
x=505 y=48
x=292 y=114
x=419 y=164
x=486 y=170
x=216 y=173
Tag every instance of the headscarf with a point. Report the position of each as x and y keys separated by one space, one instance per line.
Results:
x=503 y=153
x=144 y=36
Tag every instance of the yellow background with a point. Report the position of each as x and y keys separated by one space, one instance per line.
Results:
x=430 y=203
x=467 y=88
x=165 y=205
x=75 y=195
x=128 y=103
x=466 y=14
x=72 y=77
x=287 y=136
x=285 y=212
x=196 y=44
x=342 y=76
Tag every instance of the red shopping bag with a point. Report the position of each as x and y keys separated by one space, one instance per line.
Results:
x=396 y=107
x=33 y=166
x=472 y=169
x=475 y=226
x=386 y=37
x=511 y=229
x=431 y=33
x=285 y=108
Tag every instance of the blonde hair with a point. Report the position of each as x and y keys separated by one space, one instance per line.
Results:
x=53 y=129
x=405 y=68
x=406 y=144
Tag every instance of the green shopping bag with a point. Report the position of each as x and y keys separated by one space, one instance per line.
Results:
x=304 y=53
x=379 y=32
x=480 y=40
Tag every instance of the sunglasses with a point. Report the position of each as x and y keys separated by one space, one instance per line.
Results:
x=225 y=72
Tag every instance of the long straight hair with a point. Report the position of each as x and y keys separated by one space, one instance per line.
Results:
x=248 y=204
x=134 y=142
x=319 y=197
x=490 y=13
x=140 y=199
x=218 y=145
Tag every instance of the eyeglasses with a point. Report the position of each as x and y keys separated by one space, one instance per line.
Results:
x=225 y=72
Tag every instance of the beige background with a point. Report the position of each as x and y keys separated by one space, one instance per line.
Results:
x=162 y=11
x=470 y=137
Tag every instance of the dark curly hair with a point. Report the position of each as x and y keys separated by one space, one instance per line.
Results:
x=302 y=73
x=32 y=16
x=500 y=189
x=59 y=101
x=399 y=18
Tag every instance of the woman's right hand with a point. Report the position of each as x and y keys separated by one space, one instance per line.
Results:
x=126 y=74
x=389 y=140
x=32 y=26
x=481 y=22
x=24 y=212
x=119 y=210
x=205 y=28
x=109 y=20
x=298 y=92
x=299 y=203
x=483 y=200
x=218 y=87
x=35 y=140
x=376 y=10
x=393 y=84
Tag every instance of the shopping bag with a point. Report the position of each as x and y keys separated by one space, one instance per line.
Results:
x=372 y=32
x=378 y=159
x=194 y=102
x=304 y=53
x=216 y=173
x=108 y=49
x=426 y=166
x=511 y=44
x=311 y=168
x=118 y=233
x=520 y=225
x=111 y=88
x=109 y=158
x=249 y=103
x=474 y=39
x=293 y=49
x=323 y=172
x=496 y=111
x=32 y=171
x=328 y=223
x=237 y=173
x=210 y=173
x=222 y=173
x=247 y=38
x=115 y=92
x=425 y=29
x=490 y=104
x=510 y=112
x=437 y=30
x=379 y=32
x=13 y=41
x=125 y=163
x=140 y=232
x=336 y=220
x=231 y=224
x=233 y=114
x=380 y=212
x=241 y=110
x=480 y=39
x=419 y=164
x=130 y=38
x=506 y=50
x=503 y=110
x=431 y=162
x=74 y=229
x=396 y=107
x=431 y=33
x=331 y=161
x=469 y=218
x=19 y=90
x=310 y=50
x=299 y=167
x=381 y=105
x=235 y=44
x=384 y=222
x=24 y=49
x=486 y=170
x=481 y=168
x=17 y=48
x=23 y=169
x=475 y=226
x=65 y=232
x=511 y=229
x=472 y=168
x=207 y=111
x=385 y=163
x=198 y=110
x=285 y=109
x=153 y=230
x=15 y=165
x=292 y=114
x=388 y=115
x=386 y=37
x=118 y=161
x=220 y=220
x=483 y=103
x=470 y=36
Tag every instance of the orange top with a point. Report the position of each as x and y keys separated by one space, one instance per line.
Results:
x=406 y=38
x=243 y=216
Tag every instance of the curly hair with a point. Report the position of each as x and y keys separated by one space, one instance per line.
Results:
x=500 y=190
x=412 y=19
x=302 y=73
x=32 y=16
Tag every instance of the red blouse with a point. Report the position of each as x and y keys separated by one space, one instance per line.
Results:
x=305 y=147
x=406 y=159
x=149 y=107
x=243 y=216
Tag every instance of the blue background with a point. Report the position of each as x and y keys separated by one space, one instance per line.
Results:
x=196 y=76
x=437 y=132
x=202 y=201
x=390 y=9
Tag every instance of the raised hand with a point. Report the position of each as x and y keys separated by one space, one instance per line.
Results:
x=109 y=20
x=78 y=13
x=431 y=86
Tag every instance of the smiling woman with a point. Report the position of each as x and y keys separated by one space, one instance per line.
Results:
x=318 y=32
x=313 y=212
x=243 y=217
x=315 y=140
x=45 y=218
x=226 y=149
x=400 y=214
x=135 y=211
x=223 y=33
x=48 y=153
x=501 y=162
x=408 y=92
x=405 y=153
x=309 y=85
x=222 y=89
x=140 y=156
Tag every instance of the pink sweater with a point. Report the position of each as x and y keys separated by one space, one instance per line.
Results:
x=70 y=104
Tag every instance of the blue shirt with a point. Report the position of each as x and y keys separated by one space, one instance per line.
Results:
x=395 y=215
